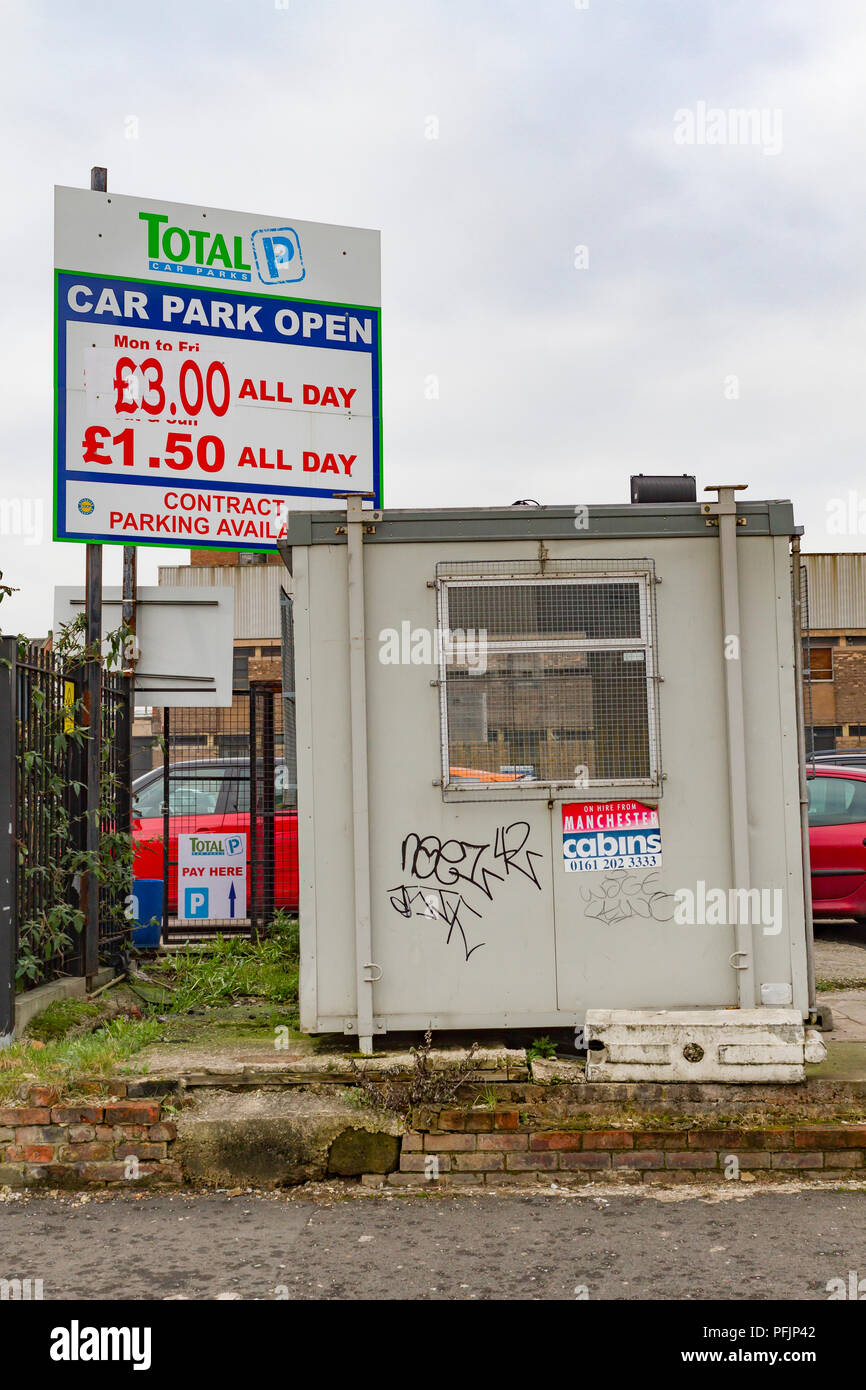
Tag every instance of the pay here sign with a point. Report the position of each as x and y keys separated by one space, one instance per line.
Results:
x=211 y=876
x=213 y=369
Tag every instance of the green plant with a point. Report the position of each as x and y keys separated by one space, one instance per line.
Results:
x=86 y=1056
x=487 y=1098
x=543 y=1047
x=233 y=968
x=51 y=863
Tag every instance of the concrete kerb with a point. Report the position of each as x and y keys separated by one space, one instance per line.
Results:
x=34 y=1001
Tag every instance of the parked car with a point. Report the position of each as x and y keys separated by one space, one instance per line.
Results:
x=837 y=840
x=213 y=796
x=844 y=757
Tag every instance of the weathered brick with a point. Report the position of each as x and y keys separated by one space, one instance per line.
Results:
x=7 y=1136
x=103 y=1172
x=477 y=1163
x=479 y=1121
x=25 y=1115
x=798 y=1160
x=587 y=1162
x=163 y=1132
x=83 y=1153
x=452 y=1120
x=13 y=1175
x=506 y=1119
x=690 y=1159
x=77 y=1114
x=132 y=1112
x=37 y=1153
x=517 y=1179
x=556 y=1139
x=661 y=1138
x=81 y=1134
x=831 y=1137
x=168 y=1171
x=43 y=1095
x=410 y=1143
x=139 y=1149
x=502 y=1143
x=40 y=1134
x=640 y=1158
x=845 y=1158
x=729 y=1140
x=419 y=1163
x=608 y=1139
x=540 y=1161
x=446 y=1143
x=748 y=1160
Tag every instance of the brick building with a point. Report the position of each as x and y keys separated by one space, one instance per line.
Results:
x=835 y=696
x=201 y=733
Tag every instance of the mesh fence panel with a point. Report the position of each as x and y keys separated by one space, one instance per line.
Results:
x=548 y=673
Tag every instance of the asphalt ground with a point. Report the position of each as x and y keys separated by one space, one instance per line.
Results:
x=720 y=1244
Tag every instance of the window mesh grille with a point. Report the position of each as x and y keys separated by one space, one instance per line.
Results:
x=548 y=674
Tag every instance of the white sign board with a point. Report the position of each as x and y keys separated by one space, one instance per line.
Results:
x=184 y=640
x=214 y=369
x=211 y=876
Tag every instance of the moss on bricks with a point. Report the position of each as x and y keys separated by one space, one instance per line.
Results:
x=358 y=1151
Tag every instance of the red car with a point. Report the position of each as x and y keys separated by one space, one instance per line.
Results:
x=837 y=841
x=213 y=796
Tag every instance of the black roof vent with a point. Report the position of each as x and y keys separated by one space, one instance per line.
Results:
x=663 y=487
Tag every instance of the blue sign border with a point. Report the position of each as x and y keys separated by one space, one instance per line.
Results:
x=153 y=289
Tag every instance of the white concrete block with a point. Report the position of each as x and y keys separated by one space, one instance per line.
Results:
x=740 y=1045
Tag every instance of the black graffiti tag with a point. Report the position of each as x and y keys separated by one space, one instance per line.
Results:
x=453 y=862
x=508 y=852
x=447 y=862
x=436 y=904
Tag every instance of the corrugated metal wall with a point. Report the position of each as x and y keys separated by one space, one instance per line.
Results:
x=257 y=593
x=837 y=591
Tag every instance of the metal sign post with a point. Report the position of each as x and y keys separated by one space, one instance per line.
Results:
x=130 y=653
x=93 y=718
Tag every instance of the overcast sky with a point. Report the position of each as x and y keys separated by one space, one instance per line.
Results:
x=580 y=281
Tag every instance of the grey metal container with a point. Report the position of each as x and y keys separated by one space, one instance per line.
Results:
x=638 y=654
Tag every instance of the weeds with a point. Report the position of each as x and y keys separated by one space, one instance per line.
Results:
x=63 y=1060
x=233 y=968
x=541 y=1048
x=430 y=1083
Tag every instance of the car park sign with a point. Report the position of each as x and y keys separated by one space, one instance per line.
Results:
x=211 y=876
x=213 y=370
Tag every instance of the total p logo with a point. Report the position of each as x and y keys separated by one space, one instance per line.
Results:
x=278 y=255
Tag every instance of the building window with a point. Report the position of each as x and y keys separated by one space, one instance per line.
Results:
x=548 y=678
x=252 y=557
x=819 y=663
x=241 y=669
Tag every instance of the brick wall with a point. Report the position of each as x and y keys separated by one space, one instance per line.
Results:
x=224 y=559
x=503 y=1147
x=52 y=1143
x=849 y=679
